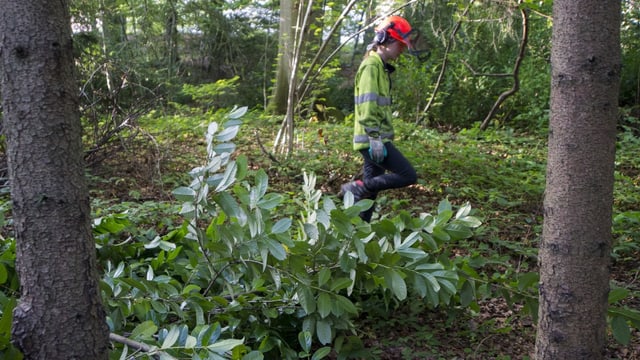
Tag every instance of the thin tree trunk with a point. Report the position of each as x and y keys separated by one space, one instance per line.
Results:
x=59 y=314
x=445 y=61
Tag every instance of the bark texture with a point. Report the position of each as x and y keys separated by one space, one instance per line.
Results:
x=60 y=314
x=575 y=249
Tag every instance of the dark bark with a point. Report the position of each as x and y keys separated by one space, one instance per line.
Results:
x=576 y=239
x=59 y=314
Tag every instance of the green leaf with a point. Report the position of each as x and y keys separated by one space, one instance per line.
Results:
x=323 y=276
x=224 y=346
x=281 y=226
x=394 y=280
x=269 y=201
x=527 y=280
x=340 y=283
x=4 y=275
x=230 y=207
x=224 y=148
x=620 y=329
x=237 y=112
x=254 y=355
x=304 y=339
x=321 y=353
x=324 y=304
x=184 y=193
x=262 y=183
x=463 y=211
x=171 y=338
x=144 y=330
x=227 y=134
x=307 y=301
x=617 y=294
x=229 y=177
x=323 y=331
x=345 y=304
x=444 y=206
x=276 y=249
x=466 y=294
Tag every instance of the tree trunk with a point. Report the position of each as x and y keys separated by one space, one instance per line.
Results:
x=286 y=36
x=576 y=243
x=60 y=314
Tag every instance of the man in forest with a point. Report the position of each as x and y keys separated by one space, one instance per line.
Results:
x=384 y=165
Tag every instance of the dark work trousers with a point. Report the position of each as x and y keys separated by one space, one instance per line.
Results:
x=394 y=172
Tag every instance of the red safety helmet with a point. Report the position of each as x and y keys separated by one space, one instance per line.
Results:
x=397 y=27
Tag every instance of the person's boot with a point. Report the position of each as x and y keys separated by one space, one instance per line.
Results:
x=358 y=190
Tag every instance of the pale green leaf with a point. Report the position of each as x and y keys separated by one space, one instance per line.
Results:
x=321 y=353
x=223 y=346
x=237 y=112
x=229 y=177
x=144 y=330
x=184 y=193
x=324 y=304
x=395 y=281
x=171 y=338
x=304 y=339
x=276 y=249
x=323 y=331
x=227 y=134
x=281 y=226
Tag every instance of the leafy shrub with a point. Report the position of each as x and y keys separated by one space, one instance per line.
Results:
x=270 y=283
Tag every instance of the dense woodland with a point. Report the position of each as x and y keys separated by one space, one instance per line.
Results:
x=216 y=135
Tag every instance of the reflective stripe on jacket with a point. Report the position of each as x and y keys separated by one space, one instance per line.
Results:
x=372 y=95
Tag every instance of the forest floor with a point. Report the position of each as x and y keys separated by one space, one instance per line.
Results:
x=410 y=332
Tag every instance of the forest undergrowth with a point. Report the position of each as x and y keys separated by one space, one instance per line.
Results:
x=499 y=172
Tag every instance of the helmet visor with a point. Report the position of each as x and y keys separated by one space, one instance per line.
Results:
x=418 y=45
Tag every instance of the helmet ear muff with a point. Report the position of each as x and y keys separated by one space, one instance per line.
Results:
x=382 y=35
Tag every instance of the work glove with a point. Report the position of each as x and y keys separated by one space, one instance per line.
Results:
x=377 y=150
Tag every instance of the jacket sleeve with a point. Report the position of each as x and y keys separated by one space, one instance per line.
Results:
x=369 y=113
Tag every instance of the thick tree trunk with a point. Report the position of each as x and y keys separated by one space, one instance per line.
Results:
x=575 y=249
x=59 y=315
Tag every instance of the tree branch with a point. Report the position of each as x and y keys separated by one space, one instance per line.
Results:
x=516 y=70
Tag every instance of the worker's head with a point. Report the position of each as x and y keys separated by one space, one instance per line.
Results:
x=394 y=28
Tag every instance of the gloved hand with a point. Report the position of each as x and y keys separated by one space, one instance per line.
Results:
x=377 y=150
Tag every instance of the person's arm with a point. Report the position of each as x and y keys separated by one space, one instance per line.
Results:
x=368 y=99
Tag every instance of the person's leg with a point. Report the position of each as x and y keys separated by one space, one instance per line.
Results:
x=399 y=174
x=370 y=170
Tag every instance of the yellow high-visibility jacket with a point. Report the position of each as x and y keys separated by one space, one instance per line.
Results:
x=372 y=93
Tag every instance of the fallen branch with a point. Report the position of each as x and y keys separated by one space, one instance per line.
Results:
x=151 y=350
